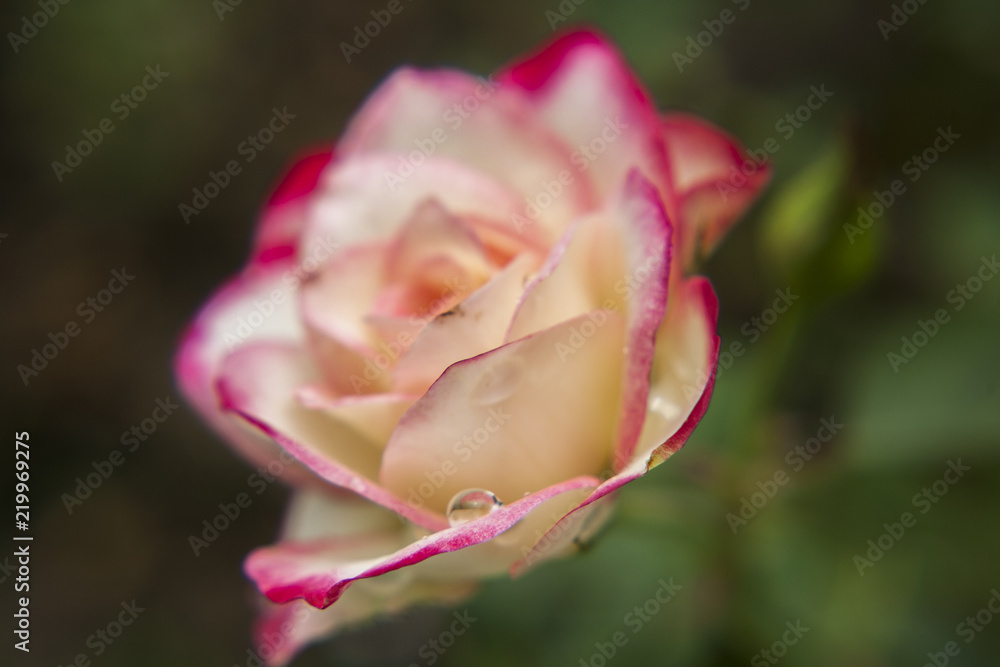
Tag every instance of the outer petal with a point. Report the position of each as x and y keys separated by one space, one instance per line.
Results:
x=646 y=239
x=283 y=630
x=712 y=192
x=285 y=213
x=221 y=327
x=320 y=514
x=683 y=378
x=259 y=385
x=587 y=93
x=684 y=369
x=316 y=571
x=261 y=380
x=355 y=204
x=479 y=425
x=568 y=533
x=224 y=322
x=503 y=137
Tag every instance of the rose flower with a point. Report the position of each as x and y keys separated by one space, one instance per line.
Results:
x=464 y=327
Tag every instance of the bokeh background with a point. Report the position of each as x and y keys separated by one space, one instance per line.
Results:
x=825 y=358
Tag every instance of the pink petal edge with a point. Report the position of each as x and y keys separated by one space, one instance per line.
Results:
x=270 y=572
x=342 y=476
x=652 y=229
x=283 y=218
x=661 y=453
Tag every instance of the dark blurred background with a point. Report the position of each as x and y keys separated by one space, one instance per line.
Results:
x=226 y=66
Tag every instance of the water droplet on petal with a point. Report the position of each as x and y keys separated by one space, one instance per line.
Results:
x=499 y=381
x=471 y=504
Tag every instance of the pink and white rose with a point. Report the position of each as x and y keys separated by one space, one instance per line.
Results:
x=464 y=327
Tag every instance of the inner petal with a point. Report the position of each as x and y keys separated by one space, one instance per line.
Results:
x=475 y=325
x=480 y=426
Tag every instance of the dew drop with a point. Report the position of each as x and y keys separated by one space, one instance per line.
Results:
x=499 y=381
x=471 y=504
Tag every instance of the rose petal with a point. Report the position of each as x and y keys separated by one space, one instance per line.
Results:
x=229 y=320
x=563 y=289
x=618 y=260
x=258 y=383
x=646 y=236
x=353 y=203
x=433 y=231
x=312 y=514
x=374 y=416
x=336 y=299
x=284 y=216
x=473 y=327
x=502 y=137
x=283 y=630
x=261 y=380
x=335 y=303
x=568 y=533
x=687 y=353
x=317 y=571
x=683 y=372
x=480 y=426
x=434 y=261
x=586 y=91
x=705 y=164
